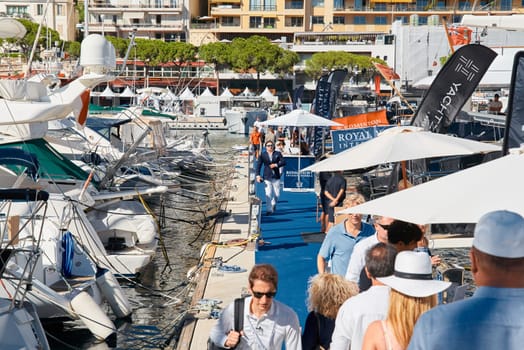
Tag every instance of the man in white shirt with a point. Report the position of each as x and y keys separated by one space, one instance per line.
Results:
x=268 y=324
x=359 y=311
x=358 y=257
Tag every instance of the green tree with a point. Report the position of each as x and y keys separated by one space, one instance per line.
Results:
x=326 y=61
x=72 y=48
x=254 y=53
x=217 y=53
x=26 y=43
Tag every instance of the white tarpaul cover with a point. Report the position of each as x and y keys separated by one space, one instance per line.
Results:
x=226 y=94
x=246 y=92
x=266 y=94
x=300 y=118
x=168 y=96
x=207 y=93
x=11 y=28
x=107 y=92
x=401 y=143
x=462 y=197
x=127 y=92
x=186 y=95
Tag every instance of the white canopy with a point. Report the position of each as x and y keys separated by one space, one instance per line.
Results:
x=127 y=92
x=462 y=197
x=401 y=143
x=207 y=93
x=107 y=92
x=186 y=95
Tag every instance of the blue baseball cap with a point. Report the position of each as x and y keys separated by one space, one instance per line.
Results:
x=500 y=233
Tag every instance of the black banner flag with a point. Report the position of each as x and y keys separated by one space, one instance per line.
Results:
x=514 y=133
x=452 y=87
x=328 y=87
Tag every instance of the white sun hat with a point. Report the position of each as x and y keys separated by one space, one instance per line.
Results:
x=500 y=233
x=413 y=275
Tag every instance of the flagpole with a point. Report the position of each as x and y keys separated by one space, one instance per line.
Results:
x=448 y=36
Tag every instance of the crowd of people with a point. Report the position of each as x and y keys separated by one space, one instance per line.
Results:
x=400 y=309
x=375 y=288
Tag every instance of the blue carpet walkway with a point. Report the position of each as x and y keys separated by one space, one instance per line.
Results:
x=293 y=256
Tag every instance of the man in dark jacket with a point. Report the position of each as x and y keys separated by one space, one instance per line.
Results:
x=272 y=160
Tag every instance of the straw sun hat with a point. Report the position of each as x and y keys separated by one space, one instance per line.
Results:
x=413 y=275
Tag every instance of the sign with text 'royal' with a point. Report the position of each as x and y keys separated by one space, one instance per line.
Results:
x=347 y=138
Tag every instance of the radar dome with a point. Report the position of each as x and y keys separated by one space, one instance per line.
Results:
x=97 y=55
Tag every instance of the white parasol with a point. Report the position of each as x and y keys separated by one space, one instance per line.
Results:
x=401 y=143
x=462 y=197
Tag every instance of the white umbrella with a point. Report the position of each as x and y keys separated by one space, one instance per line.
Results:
x=462 y=197
x=300 y=118
x=400 y=144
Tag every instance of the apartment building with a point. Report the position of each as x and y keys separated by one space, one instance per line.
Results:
x=59 y=15
x=281 y=19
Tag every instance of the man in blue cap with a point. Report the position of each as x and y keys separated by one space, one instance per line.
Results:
x=494 y=317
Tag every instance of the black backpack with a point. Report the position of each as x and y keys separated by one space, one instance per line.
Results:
x=238 y=322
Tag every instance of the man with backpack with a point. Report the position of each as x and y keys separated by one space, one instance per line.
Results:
x=267 y=323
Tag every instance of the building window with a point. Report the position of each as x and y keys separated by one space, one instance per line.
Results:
x=339 y=20
x=158 y=19
x=317 y=20
x=296 y=5
x=381 y=20
x=296 y=22
x=230 y=22
x=464 y=6
x=318 y=3
x=16 y=10
x=135 y=21
x=255 y=22
x=39 y=9
x=423 y=4
x=359 y=20
x=269 y=23
x=380 y=7
x=59 y=10
x=422 y=20
x=174 y=3
x=338 y=4
x=505 y=5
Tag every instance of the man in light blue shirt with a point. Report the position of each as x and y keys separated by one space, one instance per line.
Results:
x=494 y=317
x=341 y=238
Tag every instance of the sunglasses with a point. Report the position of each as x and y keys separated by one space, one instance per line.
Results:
x=259 y=295
x=385 y=227
x=269 y=145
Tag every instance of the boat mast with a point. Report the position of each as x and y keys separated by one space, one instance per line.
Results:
x=86 y=18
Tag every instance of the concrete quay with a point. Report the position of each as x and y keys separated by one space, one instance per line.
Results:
x=233 y=244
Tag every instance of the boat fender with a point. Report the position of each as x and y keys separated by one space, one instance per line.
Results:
x=224 y=121
x=112 y=292
x=92 y=316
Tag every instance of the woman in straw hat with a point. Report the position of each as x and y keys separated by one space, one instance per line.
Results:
x=413 y=292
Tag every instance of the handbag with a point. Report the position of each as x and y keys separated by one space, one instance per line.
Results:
x=238 y=324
